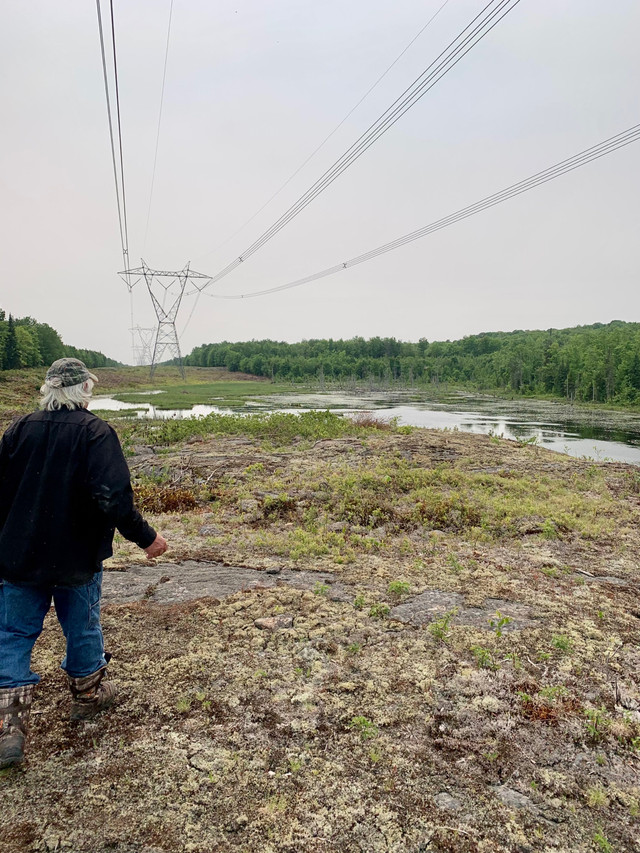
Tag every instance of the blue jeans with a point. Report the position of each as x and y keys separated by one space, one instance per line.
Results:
x=22 y=613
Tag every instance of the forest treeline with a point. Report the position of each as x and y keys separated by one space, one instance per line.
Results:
x=596 y=363
x=26 y=343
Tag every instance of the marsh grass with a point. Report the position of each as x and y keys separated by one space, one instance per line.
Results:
x=184 y=395
x=277 y=429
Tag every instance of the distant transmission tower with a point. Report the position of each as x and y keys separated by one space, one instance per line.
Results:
x=166 y=289
x=143 y=340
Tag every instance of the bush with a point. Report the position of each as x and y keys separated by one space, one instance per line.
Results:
x=154 y=498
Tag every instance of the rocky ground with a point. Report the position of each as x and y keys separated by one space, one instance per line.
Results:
x=390 y=641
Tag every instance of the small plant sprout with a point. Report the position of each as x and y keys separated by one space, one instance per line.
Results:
x=515 y=660
x=359 y=602
x=320 y=588
x=455 y=564
x=602 y=842
x=498 y=623
x=597 y=723
x=398 y=588
x=441 y=628
x=549 y=529
x=558 y=691
x=597 y=797
x=364 y=726
x=484 y=658
x=379 y=610
x=183 y=704
x=562 y=643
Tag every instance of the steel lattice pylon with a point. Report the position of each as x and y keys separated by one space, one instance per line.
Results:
x=143 y=349
x=166 y=289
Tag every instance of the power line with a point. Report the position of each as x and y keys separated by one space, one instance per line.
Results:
x=335 y=129
x=119 y=125
x=123 y=241
x=475 y=31
x=319 y=147
x=155 y=158
x=607 y=146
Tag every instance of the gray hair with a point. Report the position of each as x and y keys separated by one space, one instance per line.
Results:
x=73 y=396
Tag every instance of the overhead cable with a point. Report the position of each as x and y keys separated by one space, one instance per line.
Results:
x=155 y=157
x=607 y=146
x=119 y=127
x=319 y=147
x=119 y=203
x=335 y=129
x=472 y=34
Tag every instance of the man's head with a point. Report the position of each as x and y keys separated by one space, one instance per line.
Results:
x=67 y=383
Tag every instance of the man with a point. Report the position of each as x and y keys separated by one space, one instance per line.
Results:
x=64 y=488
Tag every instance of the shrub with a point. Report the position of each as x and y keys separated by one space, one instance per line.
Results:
x=156 y=498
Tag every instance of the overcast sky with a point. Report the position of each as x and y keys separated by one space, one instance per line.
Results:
x=252 y=88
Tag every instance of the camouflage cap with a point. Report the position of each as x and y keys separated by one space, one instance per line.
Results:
x=68 y=371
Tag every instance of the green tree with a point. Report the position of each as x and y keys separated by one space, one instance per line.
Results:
x=11 y=360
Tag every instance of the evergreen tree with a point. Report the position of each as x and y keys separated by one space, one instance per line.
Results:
x=11 y=359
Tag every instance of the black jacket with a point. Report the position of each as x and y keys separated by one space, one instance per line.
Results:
x=64 y=488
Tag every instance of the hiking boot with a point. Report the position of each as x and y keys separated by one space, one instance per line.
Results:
x=15 y=707
x=91 y=695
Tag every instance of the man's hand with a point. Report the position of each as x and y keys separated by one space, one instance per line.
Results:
x=157 y=547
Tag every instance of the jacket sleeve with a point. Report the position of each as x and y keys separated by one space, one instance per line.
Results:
x=3 y=477
x=109 y=485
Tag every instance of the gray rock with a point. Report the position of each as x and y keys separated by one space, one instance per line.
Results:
x=173 y=583
x=582 y=759
x=513 y=799
x=434 y=603
x=308 y=654
x=447 y=802
x=209 y=530
x=248 y=505
x=143 y=450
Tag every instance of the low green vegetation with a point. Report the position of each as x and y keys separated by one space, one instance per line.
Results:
x=184 y=395
x=276 y=429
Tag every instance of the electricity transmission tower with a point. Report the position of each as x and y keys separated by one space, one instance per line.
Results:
x=166 y=289
x=143 y=345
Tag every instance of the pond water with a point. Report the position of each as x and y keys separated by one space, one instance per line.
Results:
x=579 y=431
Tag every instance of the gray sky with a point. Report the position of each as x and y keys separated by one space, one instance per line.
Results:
x=252 y=88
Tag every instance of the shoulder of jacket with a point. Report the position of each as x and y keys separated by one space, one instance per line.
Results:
x=96 y=425
x=16 y=423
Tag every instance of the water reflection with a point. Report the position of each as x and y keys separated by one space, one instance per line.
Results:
x=546 y=424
